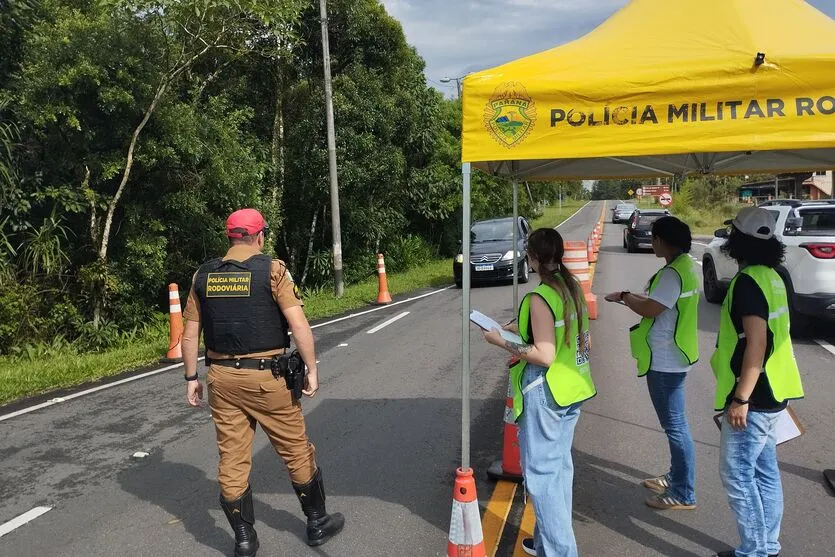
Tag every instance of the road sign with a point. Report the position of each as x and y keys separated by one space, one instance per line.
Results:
x=640 y=192
x=666 y=199
x=630 y=192
x=654 y=189
x=746 y=194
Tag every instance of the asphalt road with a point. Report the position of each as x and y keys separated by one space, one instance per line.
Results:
x=386 y=425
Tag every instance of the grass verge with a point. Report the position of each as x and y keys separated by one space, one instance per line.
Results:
x=552 y=216
x=21 y=377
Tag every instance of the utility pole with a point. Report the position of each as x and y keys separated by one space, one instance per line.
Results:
x=776 y=186
x=457 y=81
x=338 y=287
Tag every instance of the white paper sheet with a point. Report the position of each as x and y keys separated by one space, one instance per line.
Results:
x=488 y=324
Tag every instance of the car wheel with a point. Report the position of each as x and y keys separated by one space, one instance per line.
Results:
x=713 y=293
x=801 y=325
x=525 y=273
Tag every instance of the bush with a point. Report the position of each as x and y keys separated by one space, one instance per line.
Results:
x=407 y=252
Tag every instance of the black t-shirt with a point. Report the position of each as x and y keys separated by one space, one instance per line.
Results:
x=748 y=299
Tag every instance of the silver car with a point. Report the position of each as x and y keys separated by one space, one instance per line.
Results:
x=622 y=212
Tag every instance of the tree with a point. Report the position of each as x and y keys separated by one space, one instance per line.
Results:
x=152 y=45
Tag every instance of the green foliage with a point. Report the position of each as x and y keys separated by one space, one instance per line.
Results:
x=223 y=103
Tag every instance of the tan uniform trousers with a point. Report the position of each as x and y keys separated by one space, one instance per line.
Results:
x=240 y=398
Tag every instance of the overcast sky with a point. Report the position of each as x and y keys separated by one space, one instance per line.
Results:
x=456 y=37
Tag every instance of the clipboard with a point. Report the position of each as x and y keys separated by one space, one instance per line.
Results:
x=788 y=425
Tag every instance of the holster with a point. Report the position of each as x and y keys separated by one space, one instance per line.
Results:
x=292 y=368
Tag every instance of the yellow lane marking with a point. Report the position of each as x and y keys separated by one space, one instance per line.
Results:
x=525 y=529
x=495 y=516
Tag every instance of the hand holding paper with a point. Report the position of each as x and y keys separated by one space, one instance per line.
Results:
x=489 y=324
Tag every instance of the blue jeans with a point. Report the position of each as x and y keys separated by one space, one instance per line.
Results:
x=546 y=431
x=666 y=390
x=752 y=479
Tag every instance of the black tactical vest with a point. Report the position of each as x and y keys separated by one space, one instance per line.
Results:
x=237 y=309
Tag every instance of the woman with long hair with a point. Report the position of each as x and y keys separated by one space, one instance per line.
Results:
x=550 y=382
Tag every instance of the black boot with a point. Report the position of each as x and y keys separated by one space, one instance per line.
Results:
x=241 y=518
x=321 y=526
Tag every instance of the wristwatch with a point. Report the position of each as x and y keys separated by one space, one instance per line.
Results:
x=191 y=377
x=740 y=400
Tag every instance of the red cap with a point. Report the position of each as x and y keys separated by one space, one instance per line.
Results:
x=244 y=222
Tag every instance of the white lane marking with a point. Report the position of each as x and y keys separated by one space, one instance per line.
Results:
x=572 y=216
x=366 y=312
x=151 y=373
x=343 y=345
x=701 y=244
x=826 y=346
x=90 y=391
x=388 y=322
x=19 y=521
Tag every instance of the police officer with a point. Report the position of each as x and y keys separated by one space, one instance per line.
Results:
x=246 y=304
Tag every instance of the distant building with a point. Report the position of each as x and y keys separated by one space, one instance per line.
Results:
x=811 y=185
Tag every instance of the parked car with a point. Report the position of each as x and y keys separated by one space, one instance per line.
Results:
x=622 y=211
x=491 y=251
x=638 y=232
x=807 y=228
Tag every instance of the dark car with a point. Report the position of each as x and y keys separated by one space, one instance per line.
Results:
x=491 y=251
x=638 y=232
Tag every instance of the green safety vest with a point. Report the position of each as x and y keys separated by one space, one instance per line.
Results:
x=686 y=334
x=569 y=376
x=780 y=365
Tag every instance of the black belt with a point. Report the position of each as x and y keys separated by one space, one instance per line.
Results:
x=261 y=364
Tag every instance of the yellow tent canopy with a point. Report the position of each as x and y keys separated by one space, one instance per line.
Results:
x=661 y=88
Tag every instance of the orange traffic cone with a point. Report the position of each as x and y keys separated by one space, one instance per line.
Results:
x=175 y=326
x=383 y=296
x=510 y=466
x=591 y=252
x=591 y=303
x=466 y=538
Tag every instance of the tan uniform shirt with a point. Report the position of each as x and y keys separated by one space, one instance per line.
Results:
x=285 y=293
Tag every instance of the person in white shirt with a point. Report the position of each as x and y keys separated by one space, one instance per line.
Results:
x=665 y=344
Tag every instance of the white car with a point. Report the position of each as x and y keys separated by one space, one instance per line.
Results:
x=807 y=228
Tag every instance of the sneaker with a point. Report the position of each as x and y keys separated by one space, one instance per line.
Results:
x=658 y=485
x=528 y=546
x=664 y=502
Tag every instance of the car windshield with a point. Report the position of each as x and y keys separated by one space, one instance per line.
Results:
x=491 y=231
x=645 y=221
x=623 y=207
x=818 y=221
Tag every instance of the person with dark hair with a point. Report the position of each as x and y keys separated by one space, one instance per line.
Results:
x=550 y=382
x=756 y=374
x=666 y=345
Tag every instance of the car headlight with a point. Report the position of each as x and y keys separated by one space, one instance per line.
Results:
x=459 y=258
x=509 y=255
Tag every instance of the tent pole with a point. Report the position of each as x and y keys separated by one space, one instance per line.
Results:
x=465 y=318
x=515 y=244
